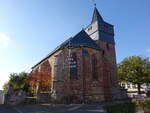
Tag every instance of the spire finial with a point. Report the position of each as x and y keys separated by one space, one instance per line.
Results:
x=94 y=3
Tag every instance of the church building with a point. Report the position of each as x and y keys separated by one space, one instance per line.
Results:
x=83 y=68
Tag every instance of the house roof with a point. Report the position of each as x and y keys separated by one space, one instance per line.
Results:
x=80 y=39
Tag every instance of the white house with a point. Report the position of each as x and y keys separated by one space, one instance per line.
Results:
x=133 y=90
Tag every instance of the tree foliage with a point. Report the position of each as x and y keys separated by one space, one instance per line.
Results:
x=135 y=69
x=19 y=81
x=5 y=87
x=29 y=82
x=42 y=80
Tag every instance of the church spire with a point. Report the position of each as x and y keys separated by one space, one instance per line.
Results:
x=94 y=3
x=96 y=16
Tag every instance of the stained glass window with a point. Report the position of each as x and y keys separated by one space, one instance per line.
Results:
x=73 y=66
x=94 y=68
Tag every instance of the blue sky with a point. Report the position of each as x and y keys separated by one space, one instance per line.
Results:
x=30 y=29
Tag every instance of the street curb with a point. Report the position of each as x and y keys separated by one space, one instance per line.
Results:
x=18 y=110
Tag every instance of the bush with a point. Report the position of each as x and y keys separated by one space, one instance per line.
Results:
x=145 y=105
x=120 y=107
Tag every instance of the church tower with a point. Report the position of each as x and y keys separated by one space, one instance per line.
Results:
x=99 y=29
x=103 y=34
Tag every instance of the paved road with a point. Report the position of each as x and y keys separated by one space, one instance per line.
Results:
x=87 y=108
x=36 y=108
x=5 y=109
x=76 y=108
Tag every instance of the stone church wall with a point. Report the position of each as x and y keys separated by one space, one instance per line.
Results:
x=84 y=86
x=110 y=56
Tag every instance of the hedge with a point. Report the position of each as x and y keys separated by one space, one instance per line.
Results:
x=120 y=107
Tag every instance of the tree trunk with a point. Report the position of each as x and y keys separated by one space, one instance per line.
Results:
x=139 y=88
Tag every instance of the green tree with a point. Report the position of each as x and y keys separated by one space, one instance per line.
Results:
x=135 y=69
x=5 y=87
x=19 y=81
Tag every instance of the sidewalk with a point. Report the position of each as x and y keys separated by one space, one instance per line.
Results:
x=6 y=109
x=74 y=108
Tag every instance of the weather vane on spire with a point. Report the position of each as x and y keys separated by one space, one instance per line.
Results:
x=94 y=1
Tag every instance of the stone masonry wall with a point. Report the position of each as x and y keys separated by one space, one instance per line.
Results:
x=84 y=88
x=110 y=58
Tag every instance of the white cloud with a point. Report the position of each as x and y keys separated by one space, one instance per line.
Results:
x=148 y=50
x=4 y=39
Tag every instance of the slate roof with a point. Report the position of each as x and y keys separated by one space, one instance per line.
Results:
x=81 y=39
x=96 y=16
x=106 y=37
x=102 y=36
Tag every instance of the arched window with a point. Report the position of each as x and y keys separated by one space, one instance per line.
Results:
x=94 y=68
x=85 y=52
x=107 y=46
x=73 y=66
x=103 y=52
